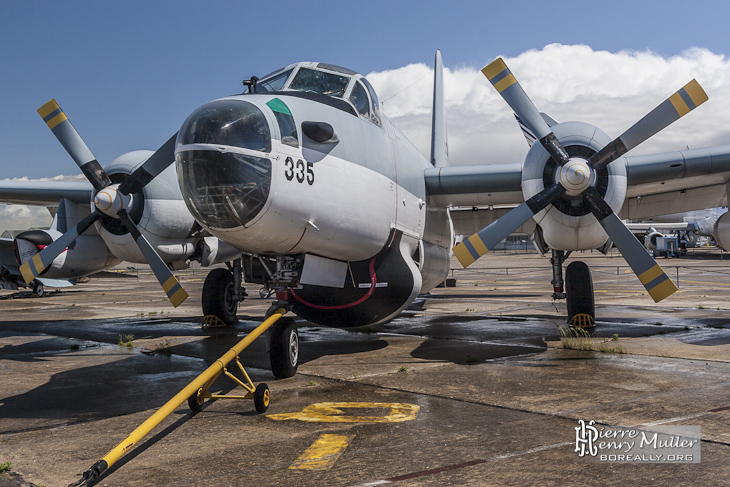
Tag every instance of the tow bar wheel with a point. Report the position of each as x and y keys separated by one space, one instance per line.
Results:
x=195 y=401
x=261 y=398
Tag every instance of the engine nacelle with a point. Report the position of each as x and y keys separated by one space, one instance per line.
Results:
x=568 y=223
x=158 y=210
x=87 y=255
x=650 y=239
x=721 y=231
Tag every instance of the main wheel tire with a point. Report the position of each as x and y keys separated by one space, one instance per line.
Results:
x=218 y=296
x=284 y=349
x=261 y=398
x=579 y=290
x=38 y=288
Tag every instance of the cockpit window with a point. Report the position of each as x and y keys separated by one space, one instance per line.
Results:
x=227 y=122
x=319 y=82
x=359 y=98
x=287 y=127
x=274 y=83
x=375 y=117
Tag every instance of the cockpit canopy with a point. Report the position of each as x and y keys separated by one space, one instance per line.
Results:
x=325 y=79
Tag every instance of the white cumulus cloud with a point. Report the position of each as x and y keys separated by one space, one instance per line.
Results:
x=22 y=217
x=609 y=90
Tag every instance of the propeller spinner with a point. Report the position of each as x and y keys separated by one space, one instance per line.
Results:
x=111 y=199
x=576 y=177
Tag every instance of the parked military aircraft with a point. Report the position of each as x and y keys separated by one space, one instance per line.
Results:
x=10 y=276
x=347 y=222
x=713 y=223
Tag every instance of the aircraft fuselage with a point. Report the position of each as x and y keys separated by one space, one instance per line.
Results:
x=302 y=173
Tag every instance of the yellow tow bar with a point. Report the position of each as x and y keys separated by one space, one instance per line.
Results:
x=197 y=392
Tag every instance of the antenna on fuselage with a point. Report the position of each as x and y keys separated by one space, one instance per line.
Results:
x=251 y=84
x=439 y=138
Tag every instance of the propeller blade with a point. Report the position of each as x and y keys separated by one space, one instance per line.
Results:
x=656 y=282
x=61 y=126
x=35 y=266
x=152 y=167
x=487 y=238
x=669 y=111
x=506 y=84
x=167 y=280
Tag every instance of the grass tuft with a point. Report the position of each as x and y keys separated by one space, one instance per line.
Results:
x=581 y=339
x=126 y=340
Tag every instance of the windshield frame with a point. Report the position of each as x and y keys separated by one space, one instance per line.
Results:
x=320 y=81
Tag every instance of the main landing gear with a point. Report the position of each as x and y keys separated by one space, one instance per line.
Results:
x=37 y=288
x=578 y=291
x=222 y=292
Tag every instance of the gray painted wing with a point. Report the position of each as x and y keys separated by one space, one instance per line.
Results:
x=701 y=165
x=474 y=179
x=44 y=193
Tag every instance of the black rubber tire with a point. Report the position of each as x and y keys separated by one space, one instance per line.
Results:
x=284 y=349
x=261 y=398
x=579 y=290
x=194 y=403
x=217 y=296
x=38 y=288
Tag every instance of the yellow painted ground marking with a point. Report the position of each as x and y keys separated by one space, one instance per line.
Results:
x=323 y=453
x=704 y=282
x=332 y=412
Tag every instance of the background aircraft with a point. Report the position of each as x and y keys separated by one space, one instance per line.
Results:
x=336 y=211
x=713 y=223
x=10 y=276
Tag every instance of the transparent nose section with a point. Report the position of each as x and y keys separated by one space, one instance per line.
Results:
x=222 y=187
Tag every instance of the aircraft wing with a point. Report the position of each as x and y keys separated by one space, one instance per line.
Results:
x=662 y=227
x=483 y=185
x=44 y=193
x=658 y=184
x=676 y=182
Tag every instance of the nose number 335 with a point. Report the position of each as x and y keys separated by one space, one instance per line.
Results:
x=301 y=170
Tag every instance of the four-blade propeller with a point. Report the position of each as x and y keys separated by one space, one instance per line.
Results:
x=577 y=177
x=111 y=199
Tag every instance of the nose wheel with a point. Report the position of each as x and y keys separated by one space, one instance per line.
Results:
x=284 y=348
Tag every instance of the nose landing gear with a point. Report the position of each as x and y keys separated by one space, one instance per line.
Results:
x=223 y=291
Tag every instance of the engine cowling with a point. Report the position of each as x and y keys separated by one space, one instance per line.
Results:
x=650 y=239
x=158 y=211
x=568 y=223
x=721 y=232
x=87 y=255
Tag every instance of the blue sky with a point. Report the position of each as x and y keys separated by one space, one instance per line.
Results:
x=128 y=73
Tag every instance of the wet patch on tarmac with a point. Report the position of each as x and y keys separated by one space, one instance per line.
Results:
x=494 y=402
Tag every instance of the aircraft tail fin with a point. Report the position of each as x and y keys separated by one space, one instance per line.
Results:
x=529 y=136
x=439 y=138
